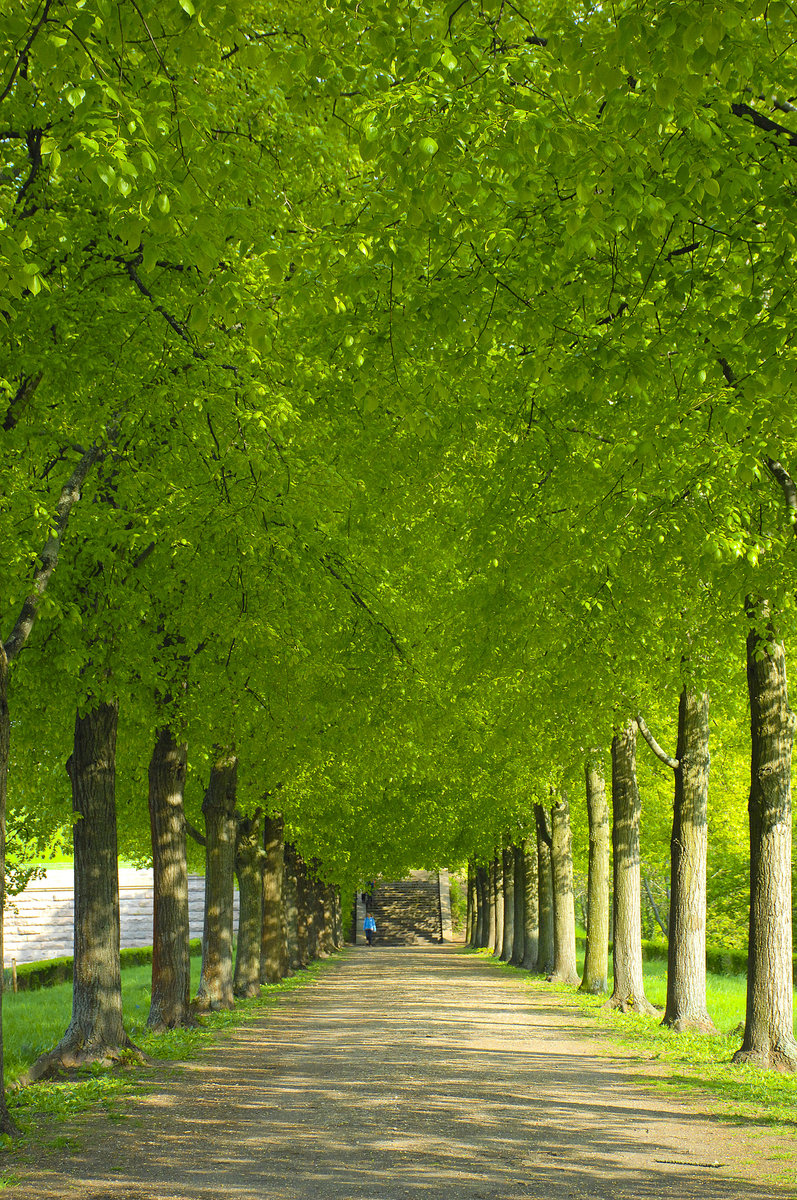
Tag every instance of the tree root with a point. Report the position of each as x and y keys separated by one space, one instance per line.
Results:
x=770 y=1058
x=627 y=1004
x=68 y=1057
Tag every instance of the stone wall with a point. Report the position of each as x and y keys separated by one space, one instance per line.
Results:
x=38 y=922
x=407 y=911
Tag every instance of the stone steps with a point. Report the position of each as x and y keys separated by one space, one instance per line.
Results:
x=411 y=911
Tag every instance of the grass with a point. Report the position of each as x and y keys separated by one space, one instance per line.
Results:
x=33 y=1022
x=697 y=1062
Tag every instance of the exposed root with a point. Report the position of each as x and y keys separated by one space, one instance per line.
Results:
x=769 y=1058
x=67 y=1059
x=627 y=1004
x=701 y=1024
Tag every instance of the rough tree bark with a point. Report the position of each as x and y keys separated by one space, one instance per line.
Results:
x=769 y=1030
x=498 y=887
x=96 y=1032
x=629 y=987
x=482 y=907
x=508 y=877
x=686 y=934
x=519 y=944
x=291 y=911
x=218 y=807
x=531 y=906
x=171 y=960
x=491 y=906
x=564 y=967
x=545 y=945
x=596 y=961
x=273 y=961
x=470 y=913
x=249 y=863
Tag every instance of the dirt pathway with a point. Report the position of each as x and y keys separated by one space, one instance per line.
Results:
x=404 y=1073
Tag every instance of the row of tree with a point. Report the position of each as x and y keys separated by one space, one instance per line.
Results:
x=390 y=402
x=521 y=903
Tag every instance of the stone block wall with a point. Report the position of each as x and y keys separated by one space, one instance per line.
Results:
x=39 y=921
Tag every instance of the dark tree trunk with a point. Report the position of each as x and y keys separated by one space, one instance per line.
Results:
x=304 y=918
x=273 y=961
x=171 y=959
x=327 y=938
x=215 y=984
x=519 y=943
x=470 y=914
x=249 y=870
x=338 y=924
x=531 y=906
x=95 y=1032
x=564 y=967
x=769 y=1029
x=291 y=910
x=596 y=960
x=482 y=907
x=629 y=987
x=686 y=946
x=545 y=945
x=491 y=906
x=498 y=885
x=508 y=877
x=7 y=1125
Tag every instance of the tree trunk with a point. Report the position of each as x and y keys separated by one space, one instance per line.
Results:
x=7 y=1125
x=171 y=957
x=249 y=870
x=498 y=885
x=769 y=1030
x=215 y=983
x=545 y=947
x=95 y=1033
x=596 y=960
x=508 y=877
x=686 y=946
x=629 y=987
x=327 y=938
x=304 y=918
x=491 y=906
x=519 y=944
x=564 y=967
x=482 y=907
x=273 y=962
x=338 y=918
x=531 y=906
x=470 y=913
x=291 y=911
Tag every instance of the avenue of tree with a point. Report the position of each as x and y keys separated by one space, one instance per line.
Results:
x=399 y=439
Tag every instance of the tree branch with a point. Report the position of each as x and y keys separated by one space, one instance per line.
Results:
x=787 y=486
x=48 y=560
x=194 y=833
x=23 y=393
x=654 y=745
x=653 y=904
x=763 y=122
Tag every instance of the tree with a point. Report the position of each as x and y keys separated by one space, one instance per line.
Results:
x=596 y=971
x=629 y=987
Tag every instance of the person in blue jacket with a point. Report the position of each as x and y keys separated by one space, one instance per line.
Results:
x=369 y=929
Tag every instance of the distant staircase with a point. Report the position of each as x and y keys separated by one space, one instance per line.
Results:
x=409 y=911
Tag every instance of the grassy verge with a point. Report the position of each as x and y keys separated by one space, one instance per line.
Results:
x=696 y=1062
x=34 y=1021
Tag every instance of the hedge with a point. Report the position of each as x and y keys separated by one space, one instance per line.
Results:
x=35 y=975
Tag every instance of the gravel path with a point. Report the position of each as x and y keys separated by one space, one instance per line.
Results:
x=405 y=1073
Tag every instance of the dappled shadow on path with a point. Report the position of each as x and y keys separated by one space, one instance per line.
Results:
x=409 y=1072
